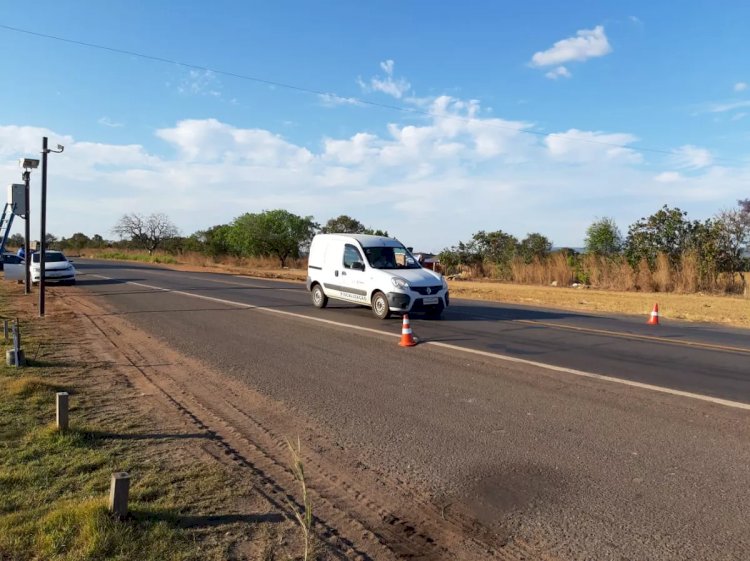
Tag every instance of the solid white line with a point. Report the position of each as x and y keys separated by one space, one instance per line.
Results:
x=251 y=306
x=574 y=372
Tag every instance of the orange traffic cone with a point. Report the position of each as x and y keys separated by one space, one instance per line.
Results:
x=407 y=337
x=654 y=319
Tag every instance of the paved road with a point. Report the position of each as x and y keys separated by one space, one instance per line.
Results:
x=581 y=468
x=703 y=359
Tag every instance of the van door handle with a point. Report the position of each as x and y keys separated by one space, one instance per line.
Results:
x=335 y=273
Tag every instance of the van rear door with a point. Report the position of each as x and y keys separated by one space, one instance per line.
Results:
x=331 y=277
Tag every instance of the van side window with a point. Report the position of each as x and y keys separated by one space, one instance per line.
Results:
x=351 y=255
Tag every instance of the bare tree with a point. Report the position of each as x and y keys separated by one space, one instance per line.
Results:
x=148 y=232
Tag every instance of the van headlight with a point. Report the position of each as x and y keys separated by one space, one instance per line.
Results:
x=398 y=282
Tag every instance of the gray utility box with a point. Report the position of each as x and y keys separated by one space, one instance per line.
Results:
x=17 y=198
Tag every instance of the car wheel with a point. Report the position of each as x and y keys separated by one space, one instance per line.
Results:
x=380 y=306
x=319 y=298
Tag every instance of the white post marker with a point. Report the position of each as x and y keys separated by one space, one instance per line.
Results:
x=62 y=411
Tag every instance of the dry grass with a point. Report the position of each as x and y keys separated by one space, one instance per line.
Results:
x=730 y=310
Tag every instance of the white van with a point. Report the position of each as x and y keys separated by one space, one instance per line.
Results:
x=373 y=271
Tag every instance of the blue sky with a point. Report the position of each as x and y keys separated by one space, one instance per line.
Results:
x=631 y=105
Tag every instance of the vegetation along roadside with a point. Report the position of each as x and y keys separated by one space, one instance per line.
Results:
x=184 y=505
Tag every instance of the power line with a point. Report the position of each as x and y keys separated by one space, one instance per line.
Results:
x=356 y=100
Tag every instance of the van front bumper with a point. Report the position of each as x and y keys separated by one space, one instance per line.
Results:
x=400 y=302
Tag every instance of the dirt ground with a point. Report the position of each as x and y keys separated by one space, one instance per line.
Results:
x=358 y=514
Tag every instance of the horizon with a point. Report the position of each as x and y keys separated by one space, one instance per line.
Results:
x=432 y=125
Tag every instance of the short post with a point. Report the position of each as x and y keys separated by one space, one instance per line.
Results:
x=118 y=494
x=5 y=329
x=18 y=333
x=15 y=356
x=62 y=411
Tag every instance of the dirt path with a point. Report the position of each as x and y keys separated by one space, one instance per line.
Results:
x=359 y=514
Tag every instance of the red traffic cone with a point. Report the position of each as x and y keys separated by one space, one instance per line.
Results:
x=654 y=319
x=407 y=337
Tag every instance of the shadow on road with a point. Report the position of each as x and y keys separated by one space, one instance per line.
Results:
x=502 y=313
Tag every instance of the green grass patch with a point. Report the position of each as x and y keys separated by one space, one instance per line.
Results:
x=55 y=485
x=142 y=257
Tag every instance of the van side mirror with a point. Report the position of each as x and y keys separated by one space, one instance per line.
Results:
x=358 y=265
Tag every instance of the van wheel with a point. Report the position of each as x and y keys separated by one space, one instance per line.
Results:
x=319 y=298
x=380 y=306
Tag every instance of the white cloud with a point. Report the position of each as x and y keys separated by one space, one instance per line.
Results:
x=210 y=140
x=587 y=43
x=668 y=177
x=333 y=100
x=692 y=157
x=636 y=20
x=559 y=72
x=740 y=87
x=386 y=84
x=200 y=82
x=580 y=147
x=431 y=183
x=107 y=122
x=724 y=107
x=738 y=116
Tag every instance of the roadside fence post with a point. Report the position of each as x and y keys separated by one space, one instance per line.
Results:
x=62 y=411
x=5 y=329
x=14 y=356
x=118 y=494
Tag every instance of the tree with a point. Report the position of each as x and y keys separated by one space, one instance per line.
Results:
x=147 y=232
x=534 y=246
x=17 y=240
x=273 y=232
x=347 y=225
x=215 y=240
x=733 y=238
x=497 y=249
x=666 y=231
x=77 y=241
x=603 y=238
x=343 y=225
x=98 y=241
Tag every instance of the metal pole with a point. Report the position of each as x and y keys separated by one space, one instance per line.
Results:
x=27 y=232
x=43 y=241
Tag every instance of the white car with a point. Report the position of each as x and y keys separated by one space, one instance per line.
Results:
x=374 y=271
x=56 y=267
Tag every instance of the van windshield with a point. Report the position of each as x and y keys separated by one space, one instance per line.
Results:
x=390 y=258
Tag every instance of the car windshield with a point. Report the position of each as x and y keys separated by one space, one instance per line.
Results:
x=49 y=257
x=390 y=258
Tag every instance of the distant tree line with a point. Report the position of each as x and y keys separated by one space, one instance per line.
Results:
x=664 y=243
x=667 y=238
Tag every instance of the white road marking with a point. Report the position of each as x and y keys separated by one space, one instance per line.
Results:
x=572 y=371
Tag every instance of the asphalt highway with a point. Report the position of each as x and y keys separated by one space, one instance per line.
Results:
x=703 y=359
x=584 y=468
